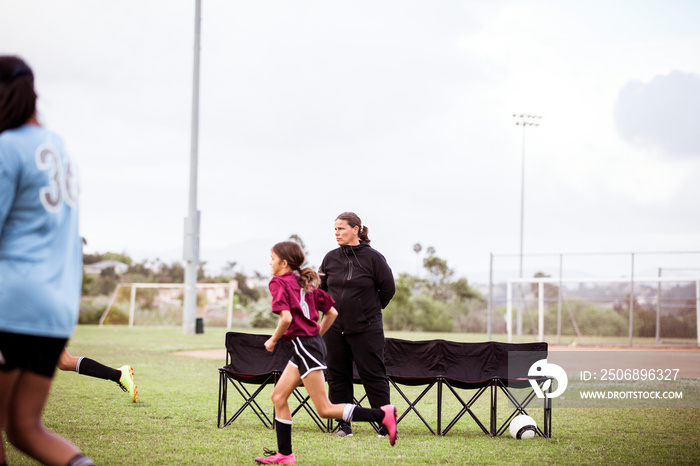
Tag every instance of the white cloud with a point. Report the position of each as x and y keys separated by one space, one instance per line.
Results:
x=662 y=113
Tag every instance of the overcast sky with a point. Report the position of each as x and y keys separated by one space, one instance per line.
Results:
x=401 y=111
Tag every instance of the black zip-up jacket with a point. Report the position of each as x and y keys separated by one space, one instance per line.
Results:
x=360 y=281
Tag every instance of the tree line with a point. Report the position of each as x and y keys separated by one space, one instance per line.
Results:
x=432 y=299
x=436 y=302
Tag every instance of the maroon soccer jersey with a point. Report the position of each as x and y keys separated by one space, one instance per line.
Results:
x=288 y=295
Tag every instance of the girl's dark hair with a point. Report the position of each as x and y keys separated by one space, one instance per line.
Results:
x=292 y=252
x=17 y=96
x=354 y=221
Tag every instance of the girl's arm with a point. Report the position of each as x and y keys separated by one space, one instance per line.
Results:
x=328 y=319
x=282 y=326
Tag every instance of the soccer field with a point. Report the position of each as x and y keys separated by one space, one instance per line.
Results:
x=175 y=419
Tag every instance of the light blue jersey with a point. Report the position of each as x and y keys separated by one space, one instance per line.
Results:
x=40 y=243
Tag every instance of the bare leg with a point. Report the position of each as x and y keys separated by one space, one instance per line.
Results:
x=316 y=388
x=66 y=362
x=289 y=380
x=27 y=397
x=8 y=379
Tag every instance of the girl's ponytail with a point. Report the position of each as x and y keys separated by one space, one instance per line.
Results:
x=292 y=252
x=308 y=279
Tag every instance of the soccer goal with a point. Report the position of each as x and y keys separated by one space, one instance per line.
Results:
x=552 y=289
x=228 y=290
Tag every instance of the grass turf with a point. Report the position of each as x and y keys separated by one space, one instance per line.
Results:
x=175 y=420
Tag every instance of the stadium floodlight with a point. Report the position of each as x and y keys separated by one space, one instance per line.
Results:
x=191 y=236
x=523 y=120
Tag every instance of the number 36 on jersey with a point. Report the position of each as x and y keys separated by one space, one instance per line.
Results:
x=63 y=180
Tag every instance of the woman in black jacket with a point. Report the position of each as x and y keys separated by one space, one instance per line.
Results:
x=360 y=281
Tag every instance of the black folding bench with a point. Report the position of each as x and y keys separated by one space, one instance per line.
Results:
x=446 y=365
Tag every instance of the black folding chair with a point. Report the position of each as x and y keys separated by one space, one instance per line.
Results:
x=519 y=358
x=480 y=388
x=416 y=363
x=520 y=406
x=499 y=367
x=249 y=363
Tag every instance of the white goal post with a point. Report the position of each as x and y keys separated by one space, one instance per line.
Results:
x=134 y=286
x=540 y=281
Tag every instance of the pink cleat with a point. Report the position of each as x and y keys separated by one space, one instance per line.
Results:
x=389 y=422
x=275 y=458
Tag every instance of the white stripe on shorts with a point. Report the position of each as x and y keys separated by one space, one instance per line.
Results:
x=320 y=365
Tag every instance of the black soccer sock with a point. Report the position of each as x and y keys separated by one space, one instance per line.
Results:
x=90 y=367
x=367 y=415
x=284 y=436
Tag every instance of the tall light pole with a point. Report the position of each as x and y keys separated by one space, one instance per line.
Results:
x=523 y=120
x=191 y=237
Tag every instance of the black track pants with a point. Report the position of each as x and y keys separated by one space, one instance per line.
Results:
x=367 y=350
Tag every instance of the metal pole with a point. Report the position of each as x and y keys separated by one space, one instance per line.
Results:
x=509 y=312
x=540 y=312
x=191 y=248
x=229 y=318
x=658 y=310
x=632 y=299
x=697 y=309
x=561 y=272
x=132 y=305
x=490 y=310
x=109 y=306
x=524 y=120
x=522 y=203
x=522 y=223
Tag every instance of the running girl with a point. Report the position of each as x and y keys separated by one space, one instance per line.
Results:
x=297 y=301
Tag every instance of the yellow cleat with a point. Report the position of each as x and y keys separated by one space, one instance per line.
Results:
x=126 y=382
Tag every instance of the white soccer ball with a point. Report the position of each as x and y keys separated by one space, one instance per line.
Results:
x=523 y=427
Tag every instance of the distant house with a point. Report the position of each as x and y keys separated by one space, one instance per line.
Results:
x=98 y=267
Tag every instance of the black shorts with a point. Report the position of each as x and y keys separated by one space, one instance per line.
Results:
x=30 y=352
x=308 y=354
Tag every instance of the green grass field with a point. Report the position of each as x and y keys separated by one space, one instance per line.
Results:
x=175 y=420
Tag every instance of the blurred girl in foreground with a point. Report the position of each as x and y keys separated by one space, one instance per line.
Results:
x=40 y=267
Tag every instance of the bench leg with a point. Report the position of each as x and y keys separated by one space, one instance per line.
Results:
x=494 y=409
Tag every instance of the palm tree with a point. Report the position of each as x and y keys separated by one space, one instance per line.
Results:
x=417 y=248
x=230 y=265
x=297 y=239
